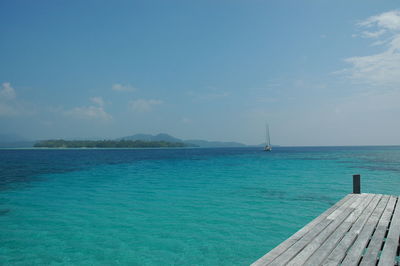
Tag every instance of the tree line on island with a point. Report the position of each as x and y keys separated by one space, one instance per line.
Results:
x=134 y=141
x=60 y=143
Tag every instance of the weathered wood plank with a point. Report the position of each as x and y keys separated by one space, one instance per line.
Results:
x=292 y=251
x=311 y=247
x=274 y=253
x=392 y=240
x=326 y=248
x=354 y=254
x=341 y=234
x=374 y=246
x=339 y=252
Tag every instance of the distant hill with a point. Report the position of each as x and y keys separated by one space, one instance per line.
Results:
x=16 y=141
x=148 y=137
x=60 y=143
x=193 y=142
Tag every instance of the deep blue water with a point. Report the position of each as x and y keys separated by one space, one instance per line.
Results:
x=173 y=206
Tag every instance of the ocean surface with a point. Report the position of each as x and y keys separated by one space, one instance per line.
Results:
x=173 y=206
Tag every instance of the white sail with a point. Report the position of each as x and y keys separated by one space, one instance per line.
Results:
x=267 y=139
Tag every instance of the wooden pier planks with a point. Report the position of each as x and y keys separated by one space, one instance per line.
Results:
x=371 y=255
x=273 y=254
x=391 y=245
x=352 y=232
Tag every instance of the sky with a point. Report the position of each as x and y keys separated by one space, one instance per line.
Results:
x=319 y=72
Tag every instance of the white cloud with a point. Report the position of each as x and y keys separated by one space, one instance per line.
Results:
x=373 y=34
x=143 y=105
x=378 y=42
x=97 y=100
x=90 y=112
x=382 y=68
x=7 y=92
x=8 y=105
x=121 y=87
x=385 y=21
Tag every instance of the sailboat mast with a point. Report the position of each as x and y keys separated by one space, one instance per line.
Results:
x=268 y=138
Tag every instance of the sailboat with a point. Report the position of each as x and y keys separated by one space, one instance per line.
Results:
x=268 y=146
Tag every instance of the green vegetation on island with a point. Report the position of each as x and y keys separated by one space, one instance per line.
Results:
x=60 y=143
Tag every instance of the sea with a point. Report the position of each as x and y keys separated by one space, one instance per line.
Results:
x=189 y=206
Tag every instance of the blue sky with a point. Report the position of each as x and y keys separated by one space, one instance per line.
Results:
x=320 y=72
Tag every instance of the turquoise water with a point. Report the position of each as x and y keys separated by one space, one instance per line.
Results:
x=173 y=207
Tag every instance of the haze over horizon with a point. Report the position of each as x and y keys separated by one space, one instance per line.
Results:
x=320 y=72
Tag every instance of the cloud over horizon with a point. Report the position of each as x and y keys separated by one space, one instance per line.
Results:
x=7 y=104
x=381 y=68
x=210 y=80
x=7 y=92
x=90 y=112
x=97 y=100
x=144 y=105
x=122 y=88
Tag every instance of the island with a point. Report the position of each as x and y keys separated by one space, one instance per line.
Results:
x=60 y=143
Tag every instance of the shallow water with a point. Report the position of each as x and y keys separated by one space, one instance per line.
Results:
x=173 y=206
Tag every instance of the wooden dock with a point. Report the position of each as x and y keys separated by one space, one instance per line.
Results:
x=360 y=229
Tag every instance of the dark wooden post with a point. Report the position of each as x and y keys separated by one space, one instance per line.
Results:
x=356 y=184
